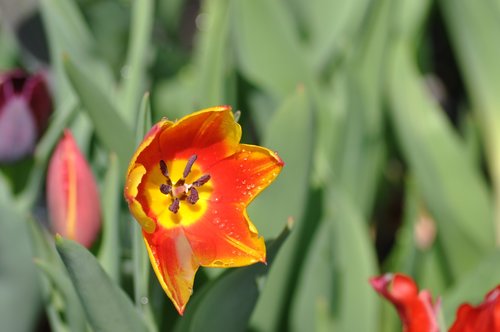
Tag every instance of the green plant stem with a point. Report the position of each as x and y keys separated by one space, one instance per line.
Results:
x=141 y=276
x=109 y=254
x=139 y=254
x=493 y=146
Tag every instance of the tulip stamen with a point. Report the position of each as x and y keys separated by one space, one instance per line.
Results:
x=163 y=168
x=166 y=189
x=193 y=196
x=201 y=181
x=182 y=191
x=189 y=164
x=174 y=207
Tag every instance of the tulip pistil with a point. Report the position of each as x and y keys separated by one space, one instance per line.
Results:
x=181 y=190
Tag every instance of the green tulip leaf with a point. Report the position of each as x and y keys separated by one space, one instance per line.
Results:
x=332 y=284
x=473 y=286
x=137 y=56
x=109 y=125
x=19 y=290
x=278 y=63
x=291 y=134
x=462 y=208
x=213 y=59
x=107 y=307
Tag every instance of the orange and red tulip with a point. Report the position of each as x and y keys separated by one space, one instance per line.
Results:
x=188 y=185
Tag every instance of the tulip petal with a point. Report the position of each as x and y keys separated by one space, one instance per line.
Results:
x=482 y=318
x=242 y=176
x=17 y=130
x=72 y=194
x=39 y=99
x=225 y=237
x=211 y=134
x=415 y=309
x=174 y=264
x=131 y=190
x=148 y=151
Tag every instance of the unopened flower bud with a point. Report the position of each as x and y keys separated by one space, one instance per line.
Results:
x=72 y=194
x=25 y=107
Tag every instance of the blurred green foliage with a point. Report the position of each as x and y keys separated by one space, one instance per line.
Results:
x=386 y=113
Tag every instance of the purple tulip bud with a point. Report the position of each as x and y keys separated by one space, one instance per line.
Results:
x=25 y=107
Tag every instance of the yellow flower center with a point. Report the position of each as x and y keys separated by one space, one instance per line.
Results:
x=178 y=192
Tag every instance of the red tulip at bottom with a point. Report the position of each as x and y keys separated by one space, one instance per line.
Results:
x=416 y=309
x=72 y=194
x=483 y=318
x=418 y=313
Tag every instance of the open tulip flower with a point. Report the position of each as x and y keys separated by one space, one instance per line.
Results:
x=416 y=310
x=188 y=185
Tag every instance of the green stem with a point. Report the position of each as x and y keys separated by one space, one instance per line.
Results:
x=141 y=276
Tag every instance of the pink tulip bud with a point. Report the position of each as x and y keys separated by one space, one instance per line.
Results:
x=72 y=194
x=25 y=107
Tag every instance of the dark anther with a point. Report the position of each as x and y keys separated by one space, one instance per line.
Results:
x=189 y=164
x=166 y=189
x=193 y=196
x=180 y=191
x=174 y=207
x=202 y=180
x=163 y=168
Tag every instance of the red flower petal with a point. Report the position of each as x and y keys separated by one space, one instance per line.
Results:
x=225 y=237
x=174 y=264
x=72 y=194
x=242 y=176
x=415 y=310
x=211 y=134
x=483 y=318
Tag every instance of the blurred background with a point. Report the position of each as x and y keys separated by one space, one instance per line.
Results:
x=386 y=113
